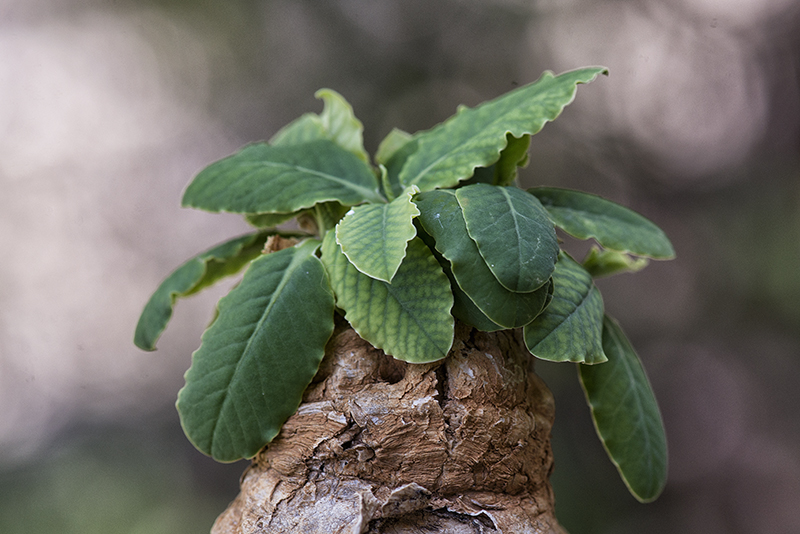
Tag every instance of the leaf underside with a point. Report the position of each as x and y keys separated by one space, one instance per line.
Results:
x=614 y=227
x=626 y=415
x=570 y=328
x=409 y=318
x=256 y=359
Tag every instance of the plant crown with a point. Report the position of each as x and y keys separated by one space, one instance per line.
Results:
x=434 y=230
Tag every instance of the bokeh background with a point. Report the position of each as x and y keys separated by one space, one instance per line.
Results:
x=108 y=108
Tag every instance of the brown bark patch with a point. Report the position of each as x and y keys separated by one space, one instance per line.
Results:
x=381 y=446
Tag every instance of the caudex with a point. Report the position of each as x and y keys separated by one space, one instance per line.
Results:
x=431 y=229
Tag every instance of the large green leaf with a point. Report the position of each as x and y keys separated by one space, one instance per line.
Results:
x=570 y=329
x=441 y=217
x=513 y=233
x=615 y=227
x=409 y=318
x=474 y=137
x=374 y=236
x=283 y=179
x=256 y=359
x=197 y=273
x=626 y=415
x=336 y=123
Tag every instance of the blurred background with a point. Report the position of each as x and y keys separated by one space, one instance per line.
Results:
x=109 y=107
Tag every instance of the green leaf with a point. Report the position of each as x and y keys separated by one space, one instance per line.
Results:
x=514 y=235
x=393 y=142
x=308 y=127
x=374 y=236
x=269 y=220
x=475 y=137
x=441 y=217
x=626 y=415
x=394 y=164
x=197 y=273
x=341 y=124
x=283 y=179
x=336 y=123
x=570 y=329
x=513 y=156
x=256 y=359
x=615 y=227
x=607 y=262
x=409 y=318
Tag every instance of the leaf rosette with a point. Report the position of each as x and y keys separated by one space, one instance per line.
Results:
x=434 y=231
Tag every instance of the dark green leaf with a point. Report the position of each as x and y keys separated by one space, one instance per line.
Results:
x=514 y=235
x=441 y=217
x=626 y=415
x=409 y=318
x=197 y=273
x=615 y=227
x=570 y=329
x=607 y=262
x=283 y=179
x=475 y=137
x=257 y=358
x=374 y=236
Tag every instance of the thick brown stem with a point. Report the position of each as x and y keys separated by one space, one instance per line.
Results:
x=381 y=446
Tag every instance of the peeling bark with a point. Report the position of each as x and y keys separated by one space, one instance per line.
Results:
x=381 y=446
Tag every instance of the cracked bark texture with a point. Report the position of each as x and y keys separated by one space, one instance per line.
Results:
x=381 y=446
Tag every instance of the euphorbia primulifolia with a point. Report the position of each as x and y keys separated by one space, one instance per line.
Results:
x=429 y=230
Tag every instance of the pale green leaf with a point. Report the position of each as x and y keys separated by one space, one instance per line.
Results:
x=513 y=156
x=336 y=123
x=341 y=124
x=394 y=141
x=409 y=318
x=441 y=218
x=283 y=179
x=269 y=220
x=308 y=127
x=513 y=234
x=626 y=416
x=256 y=359
x=374 y=236
x=475 y=137
x=394 y=164
x=615 y=227
x=570 y=329
x=607 y=262
x=197 y=273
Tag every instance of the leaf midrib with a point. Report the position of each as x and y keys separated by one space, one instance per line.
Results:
x=369 y=194
x=273 y=298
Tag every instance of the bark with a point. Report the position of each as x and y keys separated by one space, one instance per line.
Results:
x=381 y=446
